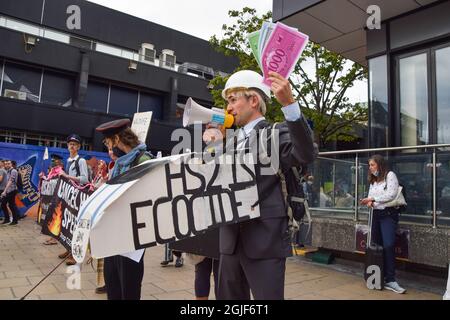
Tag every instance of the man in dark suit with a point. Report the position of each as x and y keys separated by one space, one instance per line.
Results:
x=253 y=253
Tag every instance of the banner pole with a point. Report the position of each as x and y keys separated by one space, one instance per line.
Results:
x=32 y=289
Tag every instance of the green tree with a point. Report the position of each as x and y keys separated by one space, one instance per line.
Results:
x=321 y=92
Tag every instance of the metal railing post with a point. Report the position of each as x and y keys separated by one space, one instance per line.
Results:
x=434 y=190
x=356 y=187
x=334 y=184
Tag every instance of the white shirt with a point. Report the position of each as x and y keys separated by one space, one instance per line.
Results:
x=384 y=191
x=291 y=112
x=83 y=169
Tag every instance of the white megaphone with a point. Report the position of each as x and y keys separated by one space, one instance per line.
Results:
x=193 y=112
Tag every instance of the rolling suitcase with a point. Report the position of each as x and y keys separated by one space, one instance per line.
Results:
x=374 y=263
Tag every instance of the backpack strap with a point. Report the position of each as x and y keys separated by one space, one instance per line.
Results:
x=77 y=166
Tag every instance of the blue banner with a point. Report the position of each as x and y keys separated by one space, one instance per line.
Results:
x=30 y=163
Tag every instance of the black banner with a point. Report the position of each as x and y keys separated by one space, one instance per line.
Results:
x=205 y=244
x=47 y=190
x=61 y=218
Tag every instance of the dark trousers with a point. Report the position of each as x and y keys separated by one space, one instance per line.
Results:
x=123 y=278
x=239 y=274
x=203 y=277
x=5 y=214
x=384 y=227
x=10 y=201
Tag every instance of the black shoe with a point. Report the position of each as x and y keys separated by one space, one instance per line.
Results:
x=13 y=223
x=100 y=290
x=165 y=263
x=6 y=221
x=179 y=262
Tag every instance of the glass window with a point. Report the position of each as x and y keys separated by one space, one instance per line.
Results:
x=148 y=102
x=57 y=36
x=22 y=27
x=81 y=43
x=57 y=89
x=443 y=94
x=414 y=100
x=108 y=49
x=379 y=108
x=21 y=82
x=123 y=101
x=97 y=96
x=130 y=55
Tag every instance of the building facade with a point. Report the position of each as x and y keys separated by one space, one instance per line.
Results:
x=408 y=61
x=67 y=66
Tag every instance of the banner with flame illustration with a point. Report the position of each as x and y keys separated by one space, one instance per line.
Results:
x=30 y=163
x=61 y=218
x=47 y=190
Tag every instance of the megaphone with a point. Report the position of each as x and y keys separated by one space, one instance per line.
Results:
x=193 y=112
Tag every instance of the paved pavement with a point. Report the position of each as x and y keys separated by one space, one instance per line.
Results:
x=24 y=261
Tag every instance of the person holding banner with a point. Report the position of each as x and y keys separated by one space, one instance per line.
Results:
x=124 y=273
x=253 y=253
x=77 y=172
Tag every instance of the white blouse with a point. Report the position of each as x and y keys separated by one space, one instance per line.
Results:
x=384 y=191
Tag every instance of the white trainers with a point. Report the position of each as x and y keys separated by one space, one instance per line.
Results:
x=393 y=286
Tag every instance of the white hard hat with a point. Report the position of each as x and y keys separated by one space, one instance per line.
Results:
x=246 y=79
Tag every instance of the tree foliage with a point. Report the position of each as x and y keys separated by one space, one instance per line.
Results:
x=321 y=91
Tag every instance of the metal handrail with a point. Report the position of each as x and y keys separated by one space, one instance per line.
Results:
x=357 y=151
x=356 y=167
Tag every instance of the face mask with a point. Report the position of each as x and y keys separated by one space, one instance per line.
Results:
x=117 y=152
x=310 y=183
x=376 y=173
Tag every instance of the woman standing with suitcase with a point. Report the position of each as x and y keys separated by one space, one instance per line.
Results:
x=383 y=189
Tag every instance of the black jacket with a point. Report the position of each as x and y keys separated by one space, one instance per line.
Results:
x=268 y=236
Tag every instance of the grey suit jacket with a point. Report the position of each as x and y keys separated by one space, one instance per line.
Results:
x=268 y=236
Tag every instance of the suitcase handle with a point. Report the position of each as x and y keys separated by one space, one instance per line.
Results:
x=369 y=235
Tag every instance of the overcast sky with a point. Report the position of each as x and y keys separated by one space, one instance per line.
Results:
x=200 y=18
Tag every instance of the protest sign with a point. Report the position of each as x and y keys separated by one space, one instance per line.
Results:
x=282 y=51
x=60 y=221
x=164 y=200
x=47 y=191
x=141 y=124
x=253 y=39
x=277 y=47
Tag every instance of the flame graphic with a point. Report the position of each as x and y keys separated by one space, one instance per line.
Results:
x=54 y=226
x=39 y=214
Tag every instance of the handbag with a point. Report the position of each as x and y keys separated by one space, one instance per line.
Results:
x=399 y=200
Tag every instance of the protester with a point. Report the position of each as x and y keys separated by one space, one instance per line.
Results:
x=77 y=172
x=124 y=273
x=56 y=165
x=179 y=260
x=202 y=282
x=3 y=182
x=253 y=253
x=9 y=193
x=113 y=157
x=102 y=174
x=100 y=178
x=383 y=189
